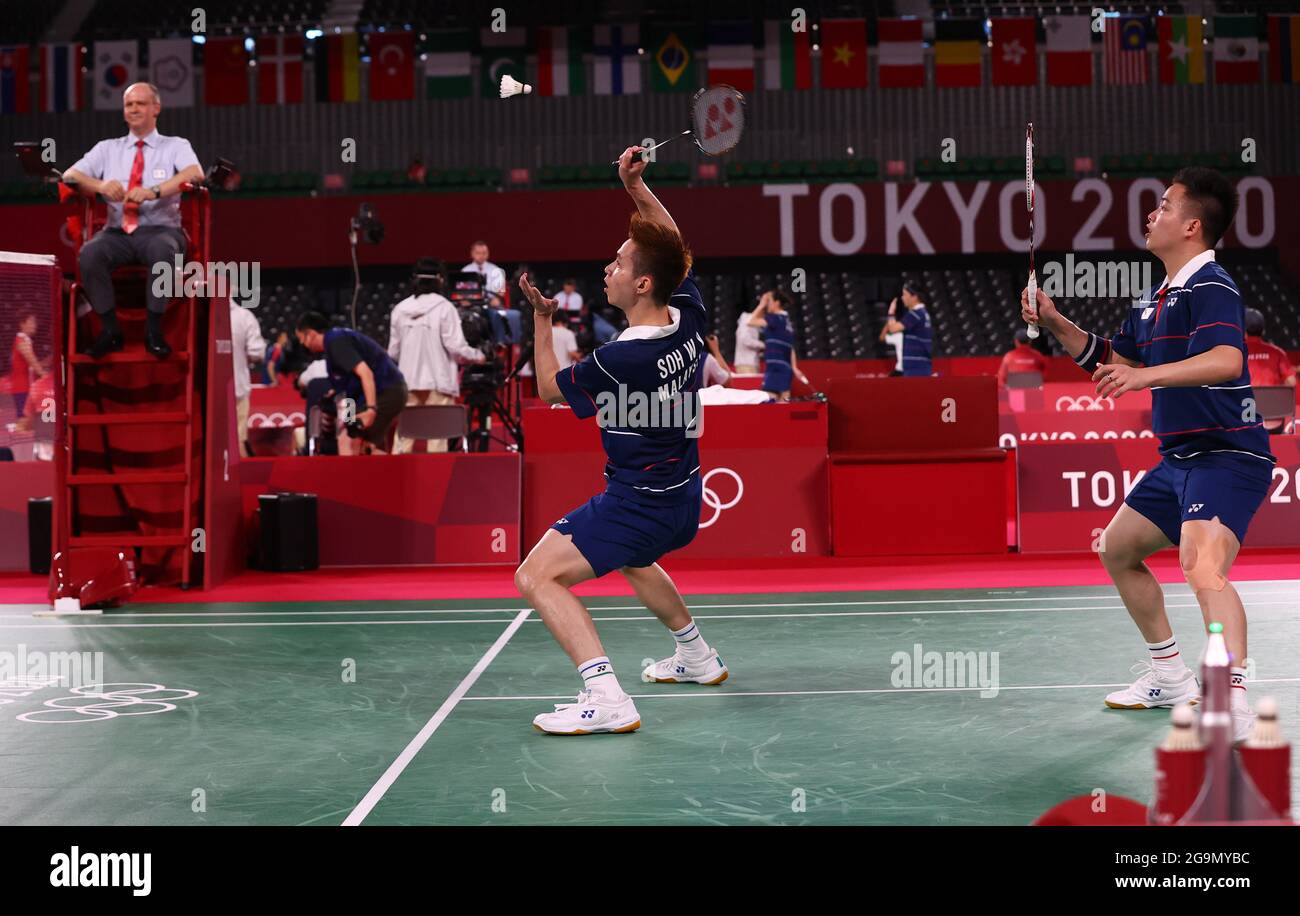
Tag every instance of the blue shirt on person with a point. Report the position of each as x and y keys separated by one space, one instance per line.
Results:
x=110 y=160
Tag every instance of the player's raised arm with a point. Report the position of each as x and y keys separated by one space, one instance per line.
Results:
x=1087 y=349
x=632 y=170
x=545 y=364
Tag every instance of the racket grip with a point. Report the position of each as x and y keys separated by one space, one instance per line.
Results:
x=1032 y=329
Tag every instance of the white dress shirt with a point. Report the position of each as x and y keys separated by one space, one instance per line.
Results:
x=569 y=302
x=246 y=344
x=494 y=278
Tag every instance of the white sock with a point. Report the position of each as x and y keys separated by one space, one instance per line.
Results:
x=1240 y=702
x=1166 y=659
x=690 y=643
x=598 y=676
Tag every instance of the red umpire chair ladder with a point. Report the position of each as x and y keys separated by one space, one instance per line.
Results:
x=129 y=441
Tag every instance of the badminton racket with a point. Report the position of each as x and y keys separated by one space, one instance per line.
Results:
x=717 y=121
x=1029 y=205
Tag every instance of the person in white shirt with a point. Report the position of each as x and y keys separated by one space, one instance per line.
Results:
x=426 y=341
x=569 y=299
x=246 y=346
x=749 y=342
x=565 y=341
x=494 y=278
x=716 y=371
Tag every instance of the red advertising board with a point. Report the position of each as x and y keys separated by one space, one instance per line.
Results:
x=1068 y=492
x=1065 y=411
x=763 y=467
x=777 y=220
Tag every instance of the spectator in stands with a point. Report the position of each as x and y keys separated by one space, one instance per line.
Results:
x=1021 y=358
x=415 y=171
x=361 y=371
x=780 y=365
x=1267 y=363
x=566 y=342
x=140 y=175
x=749 y=341
x=494 y=278
x=426 y=340
x=915 y=327
x=246 y=345
x=569 y=299
x=26 y=367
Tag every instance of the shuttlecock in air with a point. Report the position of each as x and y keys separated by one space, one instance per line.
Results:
x=511 y=86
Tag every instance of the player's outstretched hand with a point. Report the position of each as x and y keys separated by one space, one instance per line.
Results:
x=1113 y=379
x=541 y=305
x=630 y=166
x=1047 y=313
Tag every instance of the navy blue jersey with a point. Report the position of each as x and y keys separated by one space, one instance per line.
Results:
x=634 y=385
x=778 y=338
x=345 y=349
x=1198 y=310
x=916 y=341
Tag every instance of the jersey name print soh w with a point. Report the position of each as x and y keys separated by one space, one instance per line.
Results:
x=643 y=388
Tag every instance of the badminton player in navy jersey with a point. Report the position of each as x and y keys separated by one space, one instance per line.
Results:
x=1185 y=341
x=651 y=503
x=779 y=362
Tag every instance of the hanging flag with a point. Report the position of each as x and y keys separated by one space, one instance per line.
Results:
x=171 y=69
x=1284 y=49
x=957 y=45
x=1125 y=42
x=279 y=70
x=503 y=53
x=116 y=67
x=447 y=65
x=338 y=67
x=844 y=53
x=15 y=85
x=62 y=86
x=392 y=66
x=559 y=61
x=672 y=58
x=1069 y=50
x=1182 y=49
x=901 y=63
x=618 y=67
x=225 y=72
x=731 y=54
x=1236 y=49
x=787 y=56
x=1015 y=52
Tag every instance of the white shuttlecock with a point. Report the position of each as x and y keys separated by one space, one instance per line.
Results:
x=511 y=86
x=1266 y=732
x=1182 y=737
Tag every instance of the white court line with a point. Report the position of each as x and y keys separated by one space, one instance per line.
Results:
x=55 y=624
x=395 y=769
x=1183 y=593
x=697 y=694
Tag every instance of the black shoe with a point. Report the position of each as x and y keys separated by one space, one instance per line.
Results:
x=156 y=345
x=107 y=342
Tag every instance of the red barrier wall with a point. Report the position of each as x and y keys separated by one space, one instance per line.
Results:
x=763 y=465
x=1069 y=492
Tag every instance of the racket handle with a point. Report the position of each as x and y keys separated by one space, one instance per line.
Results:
x=650 y=149
x=1033 y=301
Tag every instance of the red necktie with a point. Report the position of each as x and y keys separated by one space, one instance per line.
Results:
x=131 y=210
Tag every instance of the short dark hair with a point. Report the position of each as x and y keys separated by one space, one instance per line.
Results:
x=782 y=297
x=429 y=276
x=1255 y=322
x=660 y=254
x=1022 y=336
x=313 y=321
x=559 y=317
x=1214 y=198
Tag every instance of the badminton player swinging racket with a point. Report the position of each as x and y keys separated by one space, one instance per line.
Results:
x=651 y=503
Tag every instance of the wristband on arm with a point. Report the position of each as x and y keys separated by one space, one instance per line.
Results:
x=1094 y=354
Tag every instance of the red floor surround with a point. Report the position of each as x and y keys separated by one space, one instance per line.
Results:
x=692 y=578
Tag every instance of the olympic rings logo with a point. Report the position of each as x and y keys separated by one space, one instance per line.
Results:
x=711 y=498
x=1084 y=402
x=97 y=702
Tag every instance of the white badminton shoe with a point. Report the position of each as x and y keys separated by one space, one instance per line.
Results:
x=1152 y=691
x=709 y=671
x=1243 y=723
x=591 y=714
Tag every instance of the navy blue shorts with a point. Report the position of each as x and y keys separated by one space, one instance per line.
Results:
x=1180 y=490
x=612 y=532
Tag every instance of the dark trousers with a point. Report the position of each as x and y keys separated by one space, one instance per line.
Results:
x=113 y=248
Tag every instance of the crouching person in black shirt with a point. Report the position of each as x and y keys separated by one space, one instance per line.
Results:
x=359 y=369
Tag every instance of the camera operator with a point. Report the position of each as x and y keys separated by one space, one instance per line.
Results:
x=358 y=369
x=426 y=340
